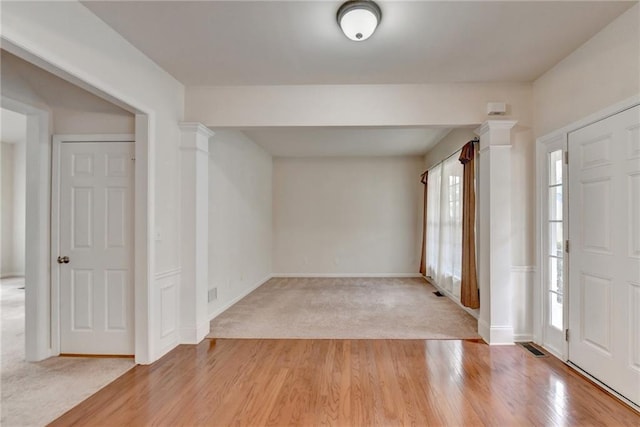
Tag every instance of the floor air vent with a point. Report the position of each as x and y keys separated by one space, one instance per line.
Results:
x=438 y=294
x=533 y=349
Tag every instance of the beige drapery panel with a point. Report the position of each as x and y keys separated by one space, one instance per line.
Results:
x=469 y=296
x=423 y=257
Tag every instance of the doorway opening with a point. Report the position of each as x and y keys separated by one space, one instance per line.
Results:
x=71 y=98
x=12 y=233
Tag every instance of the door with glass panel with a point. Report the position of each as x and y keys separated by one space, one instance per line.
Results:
x=604 y=233
x=554 y=267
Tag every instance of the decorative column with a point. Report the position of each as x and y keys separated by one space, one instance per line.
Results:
x=194 y=239
x=495 y=324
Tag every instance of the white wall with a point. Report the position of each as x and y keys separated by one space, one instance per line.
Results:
x=603 y=71
x=6 y=213
x=240 y=217
x=347 y=216
x=73 y=110
x=19 y=198
x=448 y=145
x=12 y=231
x=522 y=231
x=447 y=105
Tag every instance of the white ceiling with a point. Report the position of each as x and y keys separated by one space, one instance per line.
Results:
x=13 y=127
x=334 y=142
x=299 y=42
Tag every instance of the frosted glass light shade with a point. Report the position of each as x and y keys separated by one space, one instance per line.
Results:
x=359 y=19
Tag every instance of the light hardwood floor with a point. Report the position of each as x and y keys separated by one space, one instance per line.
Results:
x=350 y=382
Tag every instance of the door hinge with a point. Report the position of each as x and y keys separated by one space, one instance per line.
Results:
x=566 y=157
x=566 y=246
x=566 y=335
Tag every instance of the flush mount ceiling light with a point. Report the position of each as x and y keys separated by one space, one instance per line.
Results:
x=358 y=19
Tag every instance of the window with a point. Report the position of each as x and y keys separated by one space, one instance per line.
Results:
x=553 y=232
x=444 y=224
x=555 y=240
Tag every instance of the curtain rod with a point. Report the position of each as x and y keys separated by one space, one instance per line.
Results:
x=474 y=140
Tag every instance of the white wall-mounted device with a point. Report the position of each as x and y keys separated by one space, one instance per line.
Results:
x=496 y=108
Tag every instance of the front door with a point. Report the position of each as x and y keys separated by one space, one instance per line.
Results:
x=95 y=254
x=604 y=238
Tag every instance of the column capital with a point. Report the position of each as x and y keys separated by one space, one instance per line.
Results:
x=490 y=125
x=195 y=136
x=495 y=133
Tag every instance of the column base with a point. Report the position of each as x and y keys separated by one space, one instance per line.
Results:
x=495 y=335
x=194 y=335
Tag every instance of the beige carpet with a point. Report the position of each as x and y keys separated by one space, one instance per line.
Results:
x=356 y=308
x=34 y=394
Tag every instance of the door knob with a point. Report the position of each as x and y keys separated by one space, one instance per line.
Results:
x=63 y=260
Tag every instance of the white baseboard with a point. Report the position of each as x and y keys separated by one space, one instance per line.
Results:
x=194 y=335
x=522 y=337
x=347 y=275
x=11 y=275
x=495 y=335
x=483 y=330
x=228 y=305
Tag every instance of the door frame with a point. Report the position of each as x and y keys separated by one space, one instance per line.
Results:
x=38 y=323
x=57 y=141
x=37 y=275
x=539 y=293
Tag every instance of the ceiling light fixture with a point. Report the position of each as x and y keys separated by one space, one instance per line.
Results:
x=358 y=19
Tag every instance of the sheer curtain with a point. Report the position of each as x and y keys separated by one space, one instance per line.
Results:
x=444 y=224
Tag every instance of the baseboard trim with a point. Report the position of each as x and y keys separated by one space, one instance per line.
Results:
x=228 y=305
x=495 y=335
x=194 y=335
x=483 y=330
x=347 y=275
x=11 y=275
x=522 y=337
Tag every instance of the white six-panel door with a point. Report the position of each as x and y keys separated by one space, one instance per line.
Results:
x=604 y=237
x=95 y=232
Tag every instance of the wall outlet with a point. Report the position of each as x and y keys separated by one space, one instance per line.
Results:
x=213 y=294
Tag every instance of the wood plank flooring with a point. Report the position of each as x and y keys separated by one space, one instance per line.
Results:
x=350 y=383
